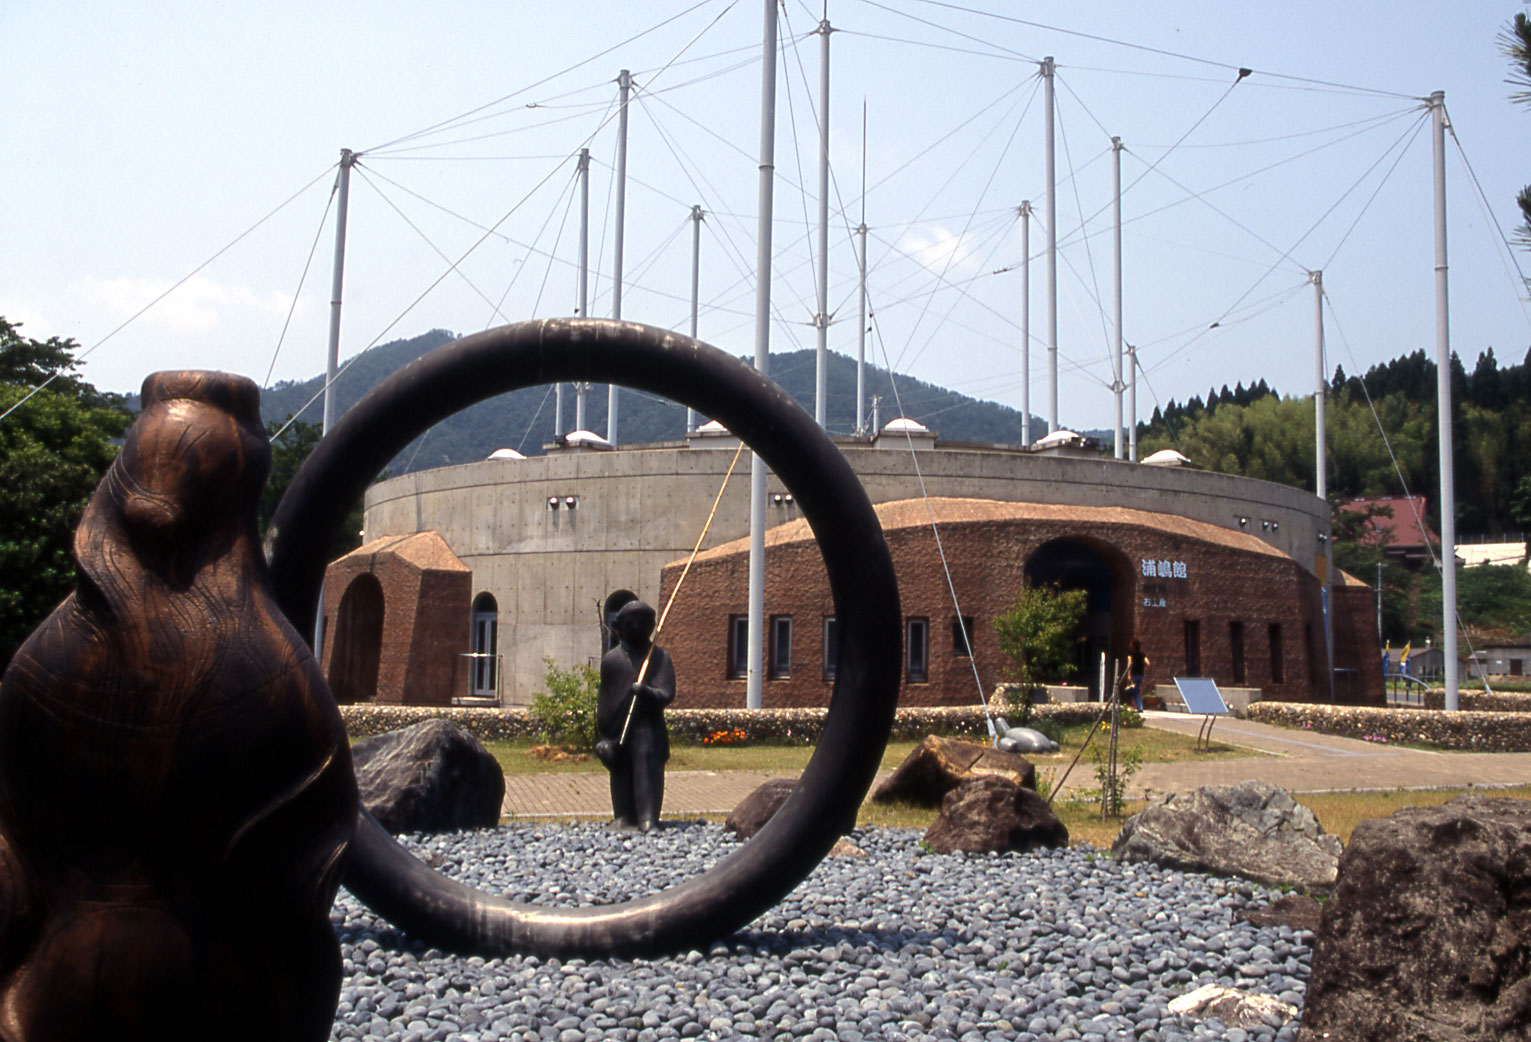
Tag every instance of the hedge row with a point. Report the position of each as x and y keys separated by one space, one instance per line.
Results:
x=1467 y=730
x=697 y=724
x=1497 y=702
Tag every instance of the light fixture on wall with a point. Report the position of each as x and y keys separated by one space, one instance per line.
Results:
x=776 y=498
x=1275 y=526
x=552 y=502
x=571 y=501
x=1243 y=522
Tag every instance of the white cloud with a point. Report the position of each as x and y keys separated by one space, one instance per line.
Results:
x=199 y=305
x=938 y=249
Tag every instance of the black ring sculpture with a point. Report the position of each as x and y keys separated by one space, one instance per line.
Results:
x=822 y=807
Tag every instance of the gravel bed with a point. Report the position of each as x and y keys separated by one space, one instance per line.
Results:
x=901 y=944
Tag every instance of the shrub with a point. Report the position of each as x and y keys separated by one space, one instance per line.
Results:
x=566 y=710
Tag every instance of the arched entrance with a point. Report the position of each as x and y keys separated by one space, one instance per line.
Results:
x=358 y=641
x=1102 y=572
x=484 y=644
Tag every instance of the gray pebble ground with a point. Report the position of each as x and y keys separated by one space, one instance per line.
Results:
x=901 y=944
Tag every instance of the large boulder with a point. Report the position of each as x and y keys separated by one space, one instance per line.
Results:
x=429 y=777
x=1253 y=829
x=751 y=813
x=1428 y=932
x=938 y=765
x=991 y=813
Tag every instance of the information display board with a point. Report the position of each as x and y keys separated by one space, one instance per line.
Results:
x=1201 y=696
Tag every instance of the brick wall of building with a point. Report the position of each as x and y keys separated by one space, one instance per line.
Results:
x=1234 y=587
x=426 y=597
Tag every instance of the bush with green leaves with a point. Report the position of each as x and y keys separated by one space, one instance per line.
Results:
x=566 y=710
x=1038 y=634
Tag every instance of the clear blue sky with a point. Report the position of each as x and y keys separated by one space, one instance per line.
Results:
x=143 y=138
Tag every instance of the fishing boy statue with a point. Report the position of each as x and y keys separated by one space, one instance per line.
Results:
x=637 y=682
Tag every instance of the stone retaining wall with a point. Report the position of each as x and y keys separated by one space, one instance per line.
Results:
x=1466 y=730
x=697 y=724
x=1498 y=702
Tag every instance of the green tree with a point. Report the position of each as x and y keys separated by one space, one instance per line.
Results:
x=1493 y=602
x=54 y=449
x=1039 y=633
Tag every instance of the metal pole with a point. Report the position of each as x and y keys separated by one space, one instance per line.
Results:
x=1052 y=252
x=1320 y=389
x=756 y=645
x=1443 y=409
x=1116 y=215
x=1321 y=463
x=582 y=389
x=821 y=320
x=696 y=283
x=1379 y=601
x=1132 y=403
x=332 y=364
x=332 y=358
x=861 y=328
x=624 y=87
x=1026 y=323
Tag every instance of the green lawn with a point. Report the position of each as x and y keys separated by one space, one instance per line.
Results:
x=1158 y=746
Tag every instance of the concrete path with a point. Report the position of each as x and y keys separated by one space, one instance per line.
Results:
x=1299 y=761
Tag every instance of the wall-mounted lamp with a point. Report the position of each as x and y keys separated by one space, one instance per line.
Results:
x=1243 y=522
x=776 y=498
x=552 y=502
x=1275 y=526
x=1265 y=525
x=1322 y=538
x=571 y=501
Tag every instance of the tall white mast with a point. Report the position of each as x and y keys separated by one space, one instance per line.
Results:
x=1132 y=403
x=696 y=283
x=582 y=389
x=755 y=647
x=1052 y=251
x=1321 y=462
x=332 y=362
x=1116 y=224
x=821 y=320
x=861 y=327
x=1026 y=323
x=1443 y=409
x=624 y=86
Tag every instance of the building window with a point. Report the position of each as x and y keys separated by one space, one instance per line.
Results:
x=485 y=644
x=1192 y=648
x=831 y=646
x=962 y=636
x=917 y=650
x=738 y=646
x=1236 y=649
x=1278 y=666
x=781 y=647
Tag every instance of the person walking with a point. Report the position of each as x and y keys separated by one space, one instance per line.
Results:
x=1137 y=666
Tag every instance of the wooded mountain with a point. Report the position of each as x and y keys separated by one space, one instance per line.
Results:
x=523 y=420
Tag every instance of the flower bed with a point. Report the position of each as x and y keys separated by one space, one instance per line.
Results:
x=1466 y=730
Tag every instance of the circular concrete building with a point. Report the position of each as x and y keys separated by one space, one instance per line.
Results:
x=1217 y=575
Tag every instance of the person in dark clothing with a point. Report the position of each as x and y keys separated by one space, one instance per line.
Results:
x=635 y=743
x=1137 y=666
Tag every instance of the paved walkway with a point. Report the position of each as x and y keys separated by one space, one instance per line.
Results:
x=1299 y=761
